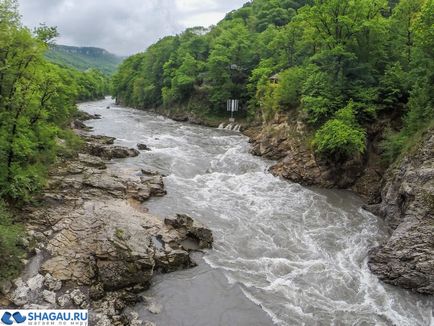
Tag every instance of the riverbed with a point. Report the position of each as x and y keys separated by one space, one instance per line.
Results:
x=283 y=254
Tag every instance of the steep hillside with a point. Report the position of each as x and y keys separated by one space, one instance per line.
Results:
x=83 y=58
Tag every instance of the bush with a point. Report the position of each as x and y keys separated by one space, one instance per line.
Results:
x=10 y=253
x=341 y=136
x=320 y=97
x=418 y=119
x=288 y=92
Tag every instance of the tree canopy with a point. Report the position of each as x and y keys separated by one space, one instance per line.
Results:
x=37 y=100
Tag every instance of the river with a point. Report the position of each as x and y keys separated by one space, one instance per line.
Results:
x=283 y=255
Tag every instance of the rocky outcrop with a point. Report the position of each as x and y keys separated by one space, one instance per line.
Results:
x=84 y=116
x=109 y=152
x=406 y=259
x=143 y=147
x=96 y=245
x=287 y=141
x=98 y=139
x=79 y=125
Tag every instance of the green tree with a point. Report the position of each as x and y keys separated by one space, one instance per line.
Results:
x=341 y=137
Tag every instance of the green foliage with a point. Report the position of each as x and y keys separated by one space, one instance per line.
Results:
x=10 y=252
x=37 y=101
x=46 y=34
x=419 y=115
x=83 y=58
x=320 y=97
x=341 y=136
x=288 y=93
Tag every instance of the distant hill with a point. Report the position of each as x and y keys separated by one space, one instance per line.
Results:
x=83 y=58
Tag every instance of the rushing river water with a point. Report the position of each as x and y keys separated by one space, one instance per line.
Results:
x=283 y=254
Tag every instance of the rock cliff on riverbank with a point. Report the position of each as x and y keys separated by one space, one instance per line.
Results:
x=95 y=245
x=406 y=259
x=287 y=141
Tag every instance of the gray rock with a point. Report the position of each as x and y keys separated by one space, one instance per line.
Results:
x=5 y=287
x=149 y=323
x=110 y=151
x=77 y=124
x=92 y=161
x=37 y=306
x=51 y=283
x=21 y=294
x=49 y=296
x=96 y=292
x=36 y=282
x=64 y=300
x=152 y=306
x=192 y=229
x=99 y=139
x=406 y=259
x=173 y=260
x=143 y=147
x=78 y=297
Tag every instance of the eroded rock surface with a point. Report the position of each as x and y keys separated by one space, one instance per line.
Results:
x=109 y=152
x=407 y=258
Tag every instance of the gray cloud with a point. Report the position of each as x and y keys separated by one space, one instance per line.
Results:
x=123 y=27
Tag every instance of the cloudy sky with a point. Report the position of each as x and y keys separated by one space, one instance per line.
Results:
x=122 y=26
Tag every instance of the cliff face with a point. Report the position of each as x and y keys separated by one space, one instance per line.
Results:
x=287 y=141
x=407 y=258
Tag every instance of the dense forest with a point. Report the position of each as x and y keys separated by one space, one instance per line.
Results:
x=37 y=101
x=83 y=58
x=337 y=65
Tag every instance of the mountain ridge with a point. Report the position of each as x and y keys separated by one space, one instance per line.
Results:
x=83 y=58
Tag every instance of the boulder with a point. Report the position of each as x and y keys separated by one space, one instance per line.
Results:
x=49 y=297
x=83 y=116
x=92 y=161
x=36 y=282
x=99 y=139
x=51 y=283
x=78 y=297
x=190 y=229
x=64 y=300
x=173 y=260
x=21 y=294
x=77 y=124
x=143 y=147
x=109 y=152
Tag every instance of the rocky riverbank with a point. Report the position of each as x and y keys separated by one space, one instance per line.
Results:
x=287 y=141
x=93 y=244
x=406 y=259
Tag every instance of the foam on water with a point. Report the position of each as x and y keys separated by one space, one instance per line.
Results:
x=298 y=253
